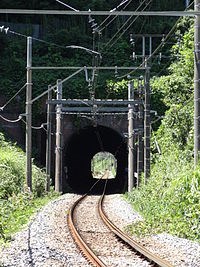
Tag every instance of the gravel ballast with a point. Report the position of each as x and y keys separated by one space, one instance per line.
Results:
x=47 y=241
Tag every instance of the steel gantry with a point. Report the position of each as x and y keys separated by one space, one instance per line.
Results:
x=108 y=106
x=74 y=106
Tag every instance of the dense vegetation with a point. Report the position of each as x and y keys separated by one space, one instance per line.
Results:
x=170 y=201
x=17 y=204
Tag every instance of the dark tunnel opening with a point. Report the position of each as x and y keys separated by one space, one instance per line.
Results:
x=79 y=151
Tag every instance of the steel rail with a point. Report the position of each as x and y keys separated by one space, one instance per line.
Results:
x=86 y=250
x=127 y=239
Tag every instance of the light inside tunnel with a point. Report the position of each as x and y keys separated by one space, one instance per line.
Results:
x=104 y=166
x=79 y=152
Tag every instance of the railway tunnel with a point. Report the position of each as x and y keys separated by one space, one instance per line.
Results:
x=79 y=151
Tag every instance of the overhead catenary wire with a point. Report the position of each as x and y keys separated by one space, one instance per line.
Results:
x=11 y=121
x=108 y=43
x=129 y=24
x=122 y=3
x=42 y=125
x=64 y=4
x=39 y=127
x=101 y=29
x=95 y=81
x=2 y=108
x=7 y=30
x=95 y=75
x=163 y=41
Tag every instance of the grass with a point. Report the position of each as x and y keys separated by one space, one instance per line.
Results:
x=18 y=211
x=17 y=204
x=170 y=201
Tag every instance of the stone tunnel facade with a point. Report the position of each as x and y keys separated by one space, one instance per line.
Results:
x=82 y=139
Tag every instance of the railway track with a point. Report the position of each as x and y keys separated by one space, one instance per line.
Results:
x=93 y=253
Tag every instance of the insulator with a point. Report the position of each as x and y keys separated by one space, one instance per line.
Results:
x=91 y=20
x=6 y=30
x=133 y=56
x=94 y=25
x=1 y=28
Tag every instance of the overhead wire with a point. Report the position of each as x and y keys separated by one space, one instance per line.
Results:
x=11 y=121
x=37 y=127
x=8 y=102
x=150 y=1
x=120 y=36
x=50 y=43
x=161 y=117
x=108 y=43
x=177 y=23
x=64 y=4
x=122 y=3
x=7 y=30
x=101 y=29
x=2 y=108
x=157 y=49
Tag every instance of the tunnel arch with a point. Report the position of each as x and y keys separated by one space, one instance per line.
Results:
x=79 y=151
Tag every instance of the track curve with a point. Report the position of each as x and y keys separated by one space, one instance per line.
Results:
x=90 y=254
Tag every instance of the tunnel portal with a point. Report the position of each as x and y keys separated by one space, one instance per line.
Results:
x=79 y=151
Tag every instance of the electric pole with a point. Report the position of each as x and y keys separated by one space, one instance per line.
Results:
x=130 y=140
x=140 y=132
x=58 y=167
x=196 y=83
x=29 y=115
x=147 y=124
x=48 y=141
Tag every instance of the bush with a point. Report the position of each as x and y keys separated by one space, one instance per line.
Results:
x=170 y=201
x=16 y=202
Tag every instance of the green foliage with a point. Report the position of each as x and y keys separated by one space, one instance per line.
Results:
x=12 y=170
x=177 y=127
x=117 y=89
x=170 y=201
x=175 y=92
x=16 y=202
x=16 y=211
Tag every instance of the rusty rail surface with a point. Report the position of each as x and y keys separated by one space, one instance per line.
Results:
x=128 y=240
x=87 y=251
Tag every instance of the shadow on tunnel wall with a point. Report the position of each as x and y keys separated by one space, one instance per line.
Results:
x=79 y=151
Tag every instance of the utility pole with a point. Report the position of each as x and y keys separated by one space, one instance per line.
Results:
x=147 y=124
x=58 y=161
x=48 y=140
x=196 y=84
x=29 y=115
x=140 y=125
x=130 y=140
